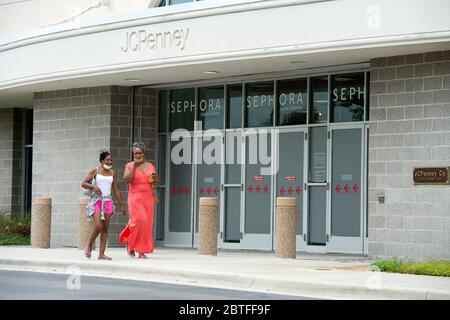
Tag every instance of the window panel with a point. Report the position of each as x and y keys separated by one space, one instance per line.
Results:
x=211 y=107
x=292 y=102
x=234 y=106
x=182 y=108
x=259 y=104
x=347 y=98
x=319 y=100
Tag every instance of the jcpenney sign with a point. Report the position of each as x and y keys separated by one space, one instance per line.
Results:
x=148 y=40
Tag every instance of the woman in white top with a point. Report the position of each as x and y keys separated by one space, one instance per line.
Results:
x=101 y=181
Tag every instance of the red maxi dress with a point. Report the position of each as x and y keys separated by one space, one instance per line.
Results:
x=141 y=202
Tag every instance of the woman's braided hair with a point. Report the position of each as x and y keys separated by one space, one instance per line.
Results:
x=139 y=145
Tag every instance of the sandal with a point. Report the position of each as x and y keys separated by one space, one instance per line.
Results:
x=104 y=258
x=130 y=252
x=87 y=253
x=142 y=256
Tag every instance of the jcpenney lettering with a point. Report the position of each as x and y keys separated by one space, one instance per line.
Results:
x=142 y=39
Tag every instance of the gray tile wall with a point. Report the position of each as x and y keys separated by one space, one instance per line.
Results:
x=11 y=128
x=70 y=128
x=16 y=189
x=409 y=127
x=6 y=158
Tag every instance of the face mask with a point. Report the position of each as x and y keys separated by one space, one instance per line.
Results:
x=106 y=167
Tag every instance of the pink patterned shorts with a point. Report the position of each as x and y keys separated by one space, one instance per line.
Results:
x=108 y=207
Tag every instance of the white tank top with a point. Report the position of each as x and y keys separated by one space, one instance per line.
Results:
x=104 y=183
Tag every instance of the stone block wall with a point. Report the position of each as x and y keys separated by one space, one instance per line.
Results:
x=11 y=129
x=17 y=161
x=6 y=157
x=409 y=127
x=71 y=127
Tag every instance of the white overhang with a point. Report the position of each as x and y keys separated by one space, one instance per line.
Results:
x=236 y=38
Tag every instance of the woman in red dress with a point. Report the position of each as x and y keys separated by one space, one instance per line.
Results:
x=141 y=178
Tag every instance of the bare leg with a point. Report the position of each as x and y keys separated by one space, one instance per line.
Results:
x=97 y=229
x=104 y=239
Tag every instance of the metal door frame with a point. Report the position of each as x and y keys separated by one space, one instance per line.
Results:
x=308 y=247
x=257 y=241
x=221 y=241
x=347 y=244
x=178 y=239
x=201 y=134
x=300 y=240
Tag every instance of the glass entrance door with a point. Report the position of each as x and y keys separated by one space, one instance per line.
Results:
x=208 y=151
x=258 y=203
x=346 y=191
x=232 y=197
x=290 y=176
x=179 y=222
x=317 y=190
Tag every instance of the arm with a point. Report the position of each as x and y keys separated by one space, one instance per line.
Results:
x=154 y=180
x=86 y=185
x=128 y=175
x=117 y=194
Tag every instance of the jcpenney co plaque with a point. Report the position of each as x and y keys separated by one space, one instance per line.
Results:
x=437 y=175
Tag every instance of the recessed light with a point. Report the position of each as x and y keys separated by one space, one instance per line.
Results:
x=299 y=61
x=211 y=72
x=133 y=80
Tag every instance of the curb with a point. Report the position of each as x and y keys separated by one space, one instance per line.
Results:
x=313 y=289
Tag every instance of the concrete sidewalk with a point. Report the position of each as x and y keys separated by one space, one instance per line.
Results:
x=318 y=276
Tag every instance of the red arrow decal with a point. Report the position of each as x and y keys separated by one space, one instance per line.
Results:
x=258 y=188
x=180 y=190
x=187 y=190
x=290 y=190
x=216 y=190
x=250 y=189
x=202 y=190
x=266 y=188
x=173 y=191
x=282 y=191
x=355 y=187
x=209 y=190
x=347 y=188
x=298 y=190
x=338 y=189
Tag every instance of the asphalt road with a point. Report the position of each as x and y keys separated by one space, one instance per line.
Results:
x=24 y=285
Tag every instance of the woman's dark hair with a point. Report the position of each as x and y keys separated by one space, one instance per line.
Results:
x=104 y=155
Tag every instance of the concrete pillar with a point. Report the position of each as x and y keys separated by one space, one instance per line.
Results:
x=207 y=233
x=85 y=226
x=286 y=227
x=41 y=223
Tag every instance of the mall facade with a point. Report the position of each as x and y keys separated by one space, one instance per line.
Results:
x=344 y=105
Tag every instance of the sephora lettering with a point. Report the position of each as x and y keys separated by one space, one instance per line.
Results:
x=182 y=106
x=343 y=94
